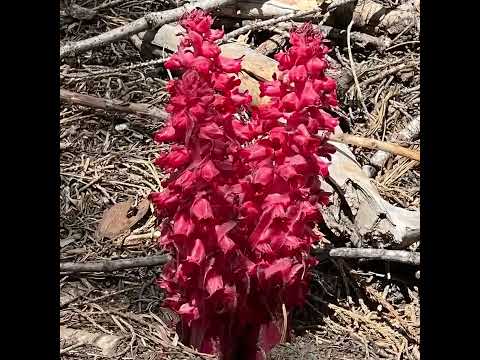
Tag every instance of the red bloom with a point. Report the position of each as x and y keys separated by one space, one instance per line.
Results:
x=244 y=191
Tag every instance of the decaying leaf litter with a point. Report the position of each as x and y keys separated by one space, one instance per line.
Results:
x=356 y=309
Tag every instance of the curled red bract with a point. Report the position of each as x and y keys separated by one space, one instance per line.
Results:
x=244 y=191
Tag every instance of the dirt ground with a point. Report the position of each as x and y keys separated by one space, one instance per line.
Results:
x=355 y=310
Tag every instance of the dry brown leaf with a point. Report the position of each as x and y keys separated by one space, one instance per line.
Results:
x=121 y=217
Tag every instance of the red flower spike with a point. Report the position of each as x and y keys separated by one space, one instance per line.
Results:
x=243 y=191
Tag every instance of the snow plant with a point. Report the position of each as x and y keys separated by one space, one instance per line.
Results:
x=244 y=189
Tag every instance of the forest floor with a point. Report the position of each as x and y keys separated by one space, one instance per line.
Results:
x=355 y=310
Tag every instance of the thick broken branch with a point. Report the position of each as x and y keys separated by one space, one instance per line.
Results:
x=376 y=144
x=273 y=44
x=149 y=21
x=113 y=265
x=113 y=105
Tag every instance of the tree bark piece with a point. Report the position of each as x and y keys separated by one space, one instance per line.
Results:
x=149 y=21
x=114 y=265
x=73 y=98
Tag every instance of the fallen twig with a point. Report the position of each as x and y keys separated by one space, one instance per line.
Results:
x=409 y=133
x=384 y=74
x=122 y=69
x=149 y=21
x=72 y=347
x=403 y=44
x=159 y=114
x=266 y=23
x=115 y=105
x=113 y=265
x=376 y=144
x=402 y=256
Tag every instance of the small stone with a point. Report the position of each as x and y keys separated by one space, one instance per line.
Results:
x=121 y=127
x=369 y=170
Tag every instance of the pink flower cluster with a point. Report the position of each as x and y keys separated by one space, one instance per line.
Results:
x=243 y=196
